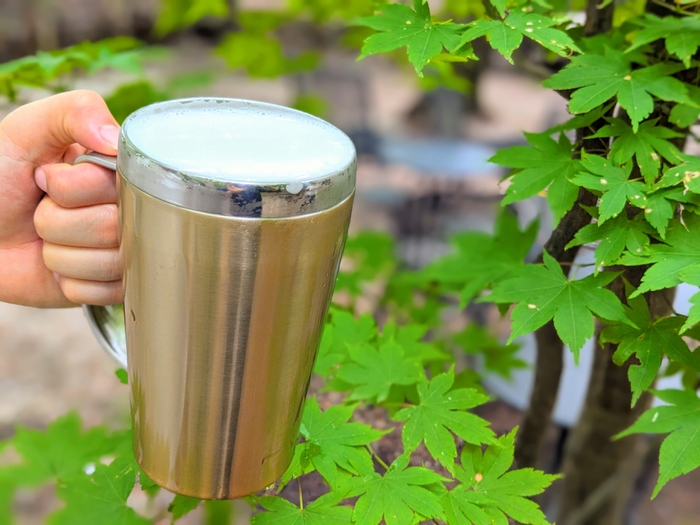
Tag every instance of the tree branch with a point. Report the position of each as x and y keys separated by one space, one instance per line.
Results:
x=549 y=363
x=626 y=470
x=550 y=360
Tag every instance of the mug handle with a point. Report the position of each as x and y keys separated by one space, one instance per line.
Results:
x=106 y=322
x=106 y=161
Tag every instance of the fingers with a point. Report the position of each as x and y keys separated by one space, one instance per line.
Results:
x=87 y=227
x=73 y=152
x=76 y=186
x=89 y=264
x=56 y=122
x=91 y=292
x=78 y=223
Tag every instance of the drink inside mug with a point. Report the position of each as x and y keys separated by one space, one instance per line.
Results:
x=239 y=141
x=233 y=216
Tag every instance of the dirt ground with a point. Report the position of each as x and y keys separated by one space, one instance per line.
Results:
x=51 y=364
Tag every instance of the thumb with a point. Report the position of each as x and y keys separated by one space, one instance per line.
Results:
x=41 y=131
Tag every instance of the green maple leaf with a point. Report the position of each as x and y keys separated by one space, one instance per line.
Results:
x=332 y=443
x=500 y=6
x=442 y=410
x=99 y=498
x=614 y=235
x=649 y=342
x=598 y=78
x=683 y=115
x=693 y=314
x=682 y=35
x=548 y=164
x=582 y=121
x=506 y=35
x=322 y=511
x=182 y=505
x=544 y=292
x=687 y=173
x=149 y=486
x=679 y=253
x=374 y=370
x=397 y=496
x=63 y=449
x=659 y=210
x=465 y=508
x=488 y=485
x=648 y=145
x=261 y=55
x=680 y=451
x=122 y=376
x=218 y=512
x=480 y=259
x=614 y=183
x=410 y=338
x=372 y=254
x=692 y=276
x=413 y=28
x=343 y=330
x=499 y=358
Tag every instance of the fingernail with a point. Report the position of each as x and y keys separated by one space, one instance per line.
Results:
x=56 y=276
x=40 y=179
x=110 y=134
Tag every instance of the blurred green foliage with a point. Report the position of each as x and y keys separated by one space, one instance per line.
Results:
x=177 y=14
x=48 y=69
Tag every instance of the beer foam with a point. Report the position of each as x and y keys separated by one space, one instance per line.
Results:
x=239 y=141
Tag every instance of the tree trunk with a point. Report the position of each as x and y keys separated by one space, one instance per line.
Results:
x=548 y=367
x=592 y=457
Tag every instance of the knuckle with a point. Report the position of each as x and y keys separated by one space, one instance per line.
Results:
x=84 y=99
x=111 y=267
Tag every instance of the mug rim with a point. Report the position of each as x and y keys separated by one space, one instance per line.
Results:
x=204 y=193
x=217 y=100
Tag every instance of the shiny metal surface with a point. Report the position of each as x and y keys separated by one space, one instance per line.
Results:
x=107 y=325
x=226 y=290
x=237 y=199
x=98 y=158
x=223 y=321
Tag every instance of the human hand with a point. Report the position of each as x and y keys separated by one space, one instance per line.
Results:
x=58 y=222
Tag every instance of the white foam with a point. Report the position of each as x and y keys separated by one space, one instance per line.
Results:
x=236 y=141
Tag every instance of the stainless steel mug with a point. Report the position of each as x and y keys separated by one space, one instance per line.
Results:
x=227 y=282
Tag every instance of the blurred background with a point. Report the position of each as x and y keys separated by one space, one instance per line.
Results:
x=423 y=145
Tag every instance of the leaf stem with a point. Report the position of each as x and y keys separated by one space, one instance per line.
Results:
x=377 y=458
x=301 y=498
x=669 y=304
x=572 y=264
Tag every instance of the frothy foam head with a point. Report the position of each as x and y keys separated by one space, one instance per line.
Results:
x=239 y=141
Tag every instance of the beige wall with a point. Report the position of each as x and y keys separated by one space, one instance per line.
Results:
x=27 y=25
